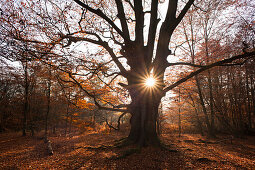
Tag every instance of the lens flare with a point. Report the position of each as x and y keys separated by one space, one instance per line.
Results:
x=150 y=82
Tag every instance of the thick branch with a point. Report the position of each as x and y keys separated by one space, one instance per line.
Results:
x=101 y=43
x=118 y=126
x=122 y=105
x=109 y=109
x=153 y=28
x=130 y=4
x=204 y=68
x=77 y=39
x=101 y=14
x=201 y=66
x=121 y=16
x=169 y=25
x=171 y=11
x=139 y=24
x=185 y=64
x=115 y=59
x=184 y=11
x=94 y=97
x=165 y=33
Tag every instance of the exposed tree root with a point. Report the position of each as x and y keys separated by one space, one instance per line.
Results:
x=117 y=144
x=121 y=139
x=127 y=152
x=100 y=147
x=122 y=143
x=167 y=147
x=136 y=148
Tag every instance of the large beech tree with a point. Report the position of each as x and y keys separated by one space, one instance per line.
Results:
x=146 y=53
x=135 y=34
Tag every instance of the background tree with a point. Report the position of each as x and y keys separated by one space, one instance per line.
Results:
x=131 y=38
x=203 y=44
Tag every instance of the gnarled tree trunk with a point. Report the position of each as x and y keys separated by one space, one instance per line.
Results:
x=144 y=111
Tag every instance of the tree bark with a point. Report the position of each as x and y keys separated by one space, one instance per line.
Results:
x=48 y=105
x=203 y=106
x=70 y=123
x=67 y=117
x=144 y=113
x=25 y=112
x=211 y=101
x=248 y=105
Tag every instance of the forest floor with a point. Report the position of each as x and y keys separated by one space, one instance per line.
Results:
x=190 y=151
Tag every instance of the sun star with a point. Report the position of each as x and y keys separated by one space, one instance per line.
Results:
x=150 y=82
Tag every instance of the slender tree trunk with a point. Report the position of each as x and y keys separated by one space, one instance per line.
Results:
x=203 y=106
x=248 y=98
x=221 y=105
x=179 y=115
x=253 y=98
x=1 y=123
x=70 y=123
x=199 y=124
x=211 y=99
x=159 y=121
x=25 y=112
x=48 y=105
x=67 y=116
x=211 y=129
x=54 y=128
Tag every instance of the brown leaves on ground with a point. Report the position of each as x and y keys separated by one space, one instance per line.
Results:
x=194 y=152
x=219 y=153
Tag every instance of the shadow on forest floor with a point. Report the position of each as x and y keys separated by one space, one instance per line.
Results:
x=193 y=152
